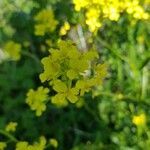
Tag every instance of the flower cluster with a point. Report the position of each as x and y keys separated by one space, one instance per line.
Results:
x=42 y=143
x=24 y=145
x=13 y=50
x=97 y=10
x=37 y=99
x=71 y=73
x=45 y=22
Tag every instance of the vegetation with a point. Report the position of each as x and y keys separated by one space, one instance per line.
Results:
x=74 y=75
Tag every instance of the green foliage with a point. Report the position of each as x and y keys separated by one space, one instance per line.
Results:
x=75 y=109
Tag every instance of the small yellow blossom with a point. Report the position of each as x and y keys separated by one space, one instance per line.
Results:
x=45 y=22
x=53 y=142
x=13 y=50
x=2 y=145
x=41 y=144
x=84 y=86
x=119 y=96
x=80 y=4
x=11 y=127
x=64 y=29
x=64 y=92
x=92 y=18
x=139 y=120
x=37 y=99
x=140 y=39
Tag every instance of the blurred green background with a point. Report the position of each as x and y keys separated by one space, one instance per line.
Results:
x=105 y=120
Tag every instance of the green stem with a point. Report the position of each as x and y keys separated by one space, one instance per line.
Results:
x=11 y=137
x=48 y=145
x=82 y=133
x=114 y=52
x=90 y=111
x=127 y=98
x=31 y=56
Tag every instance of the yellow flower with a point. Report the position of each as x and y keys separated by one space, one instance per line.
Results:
x=92 y=19
x=113 y=13
x=37 y=99
x=119 y=96
x=80 y=4
x=100 y=73
x=41 y=144
x=136 y=10
x=22 y=145
x=84 y=86
x=74 y=75
x=11 y=127
x=139 y=120
x=45 y=22
x=40 y=29
x=2 y=145
x=53 y=142
x=13 y=50
x=64 y=92
x=96 y=11
x=64 y=29
x=51 y=69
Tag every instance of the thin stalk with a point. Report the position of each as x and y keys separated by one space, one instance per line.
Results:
x=31 y=56
x=90 y=111
x=8 y=135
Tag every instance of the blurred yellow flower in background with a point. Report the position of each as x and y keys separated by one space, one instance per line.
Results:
x=139 y=120
x=45 y=22
x=37 y=99
x=13 y=50
x=53 y=142
x=11 y=126
x=2 y=145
